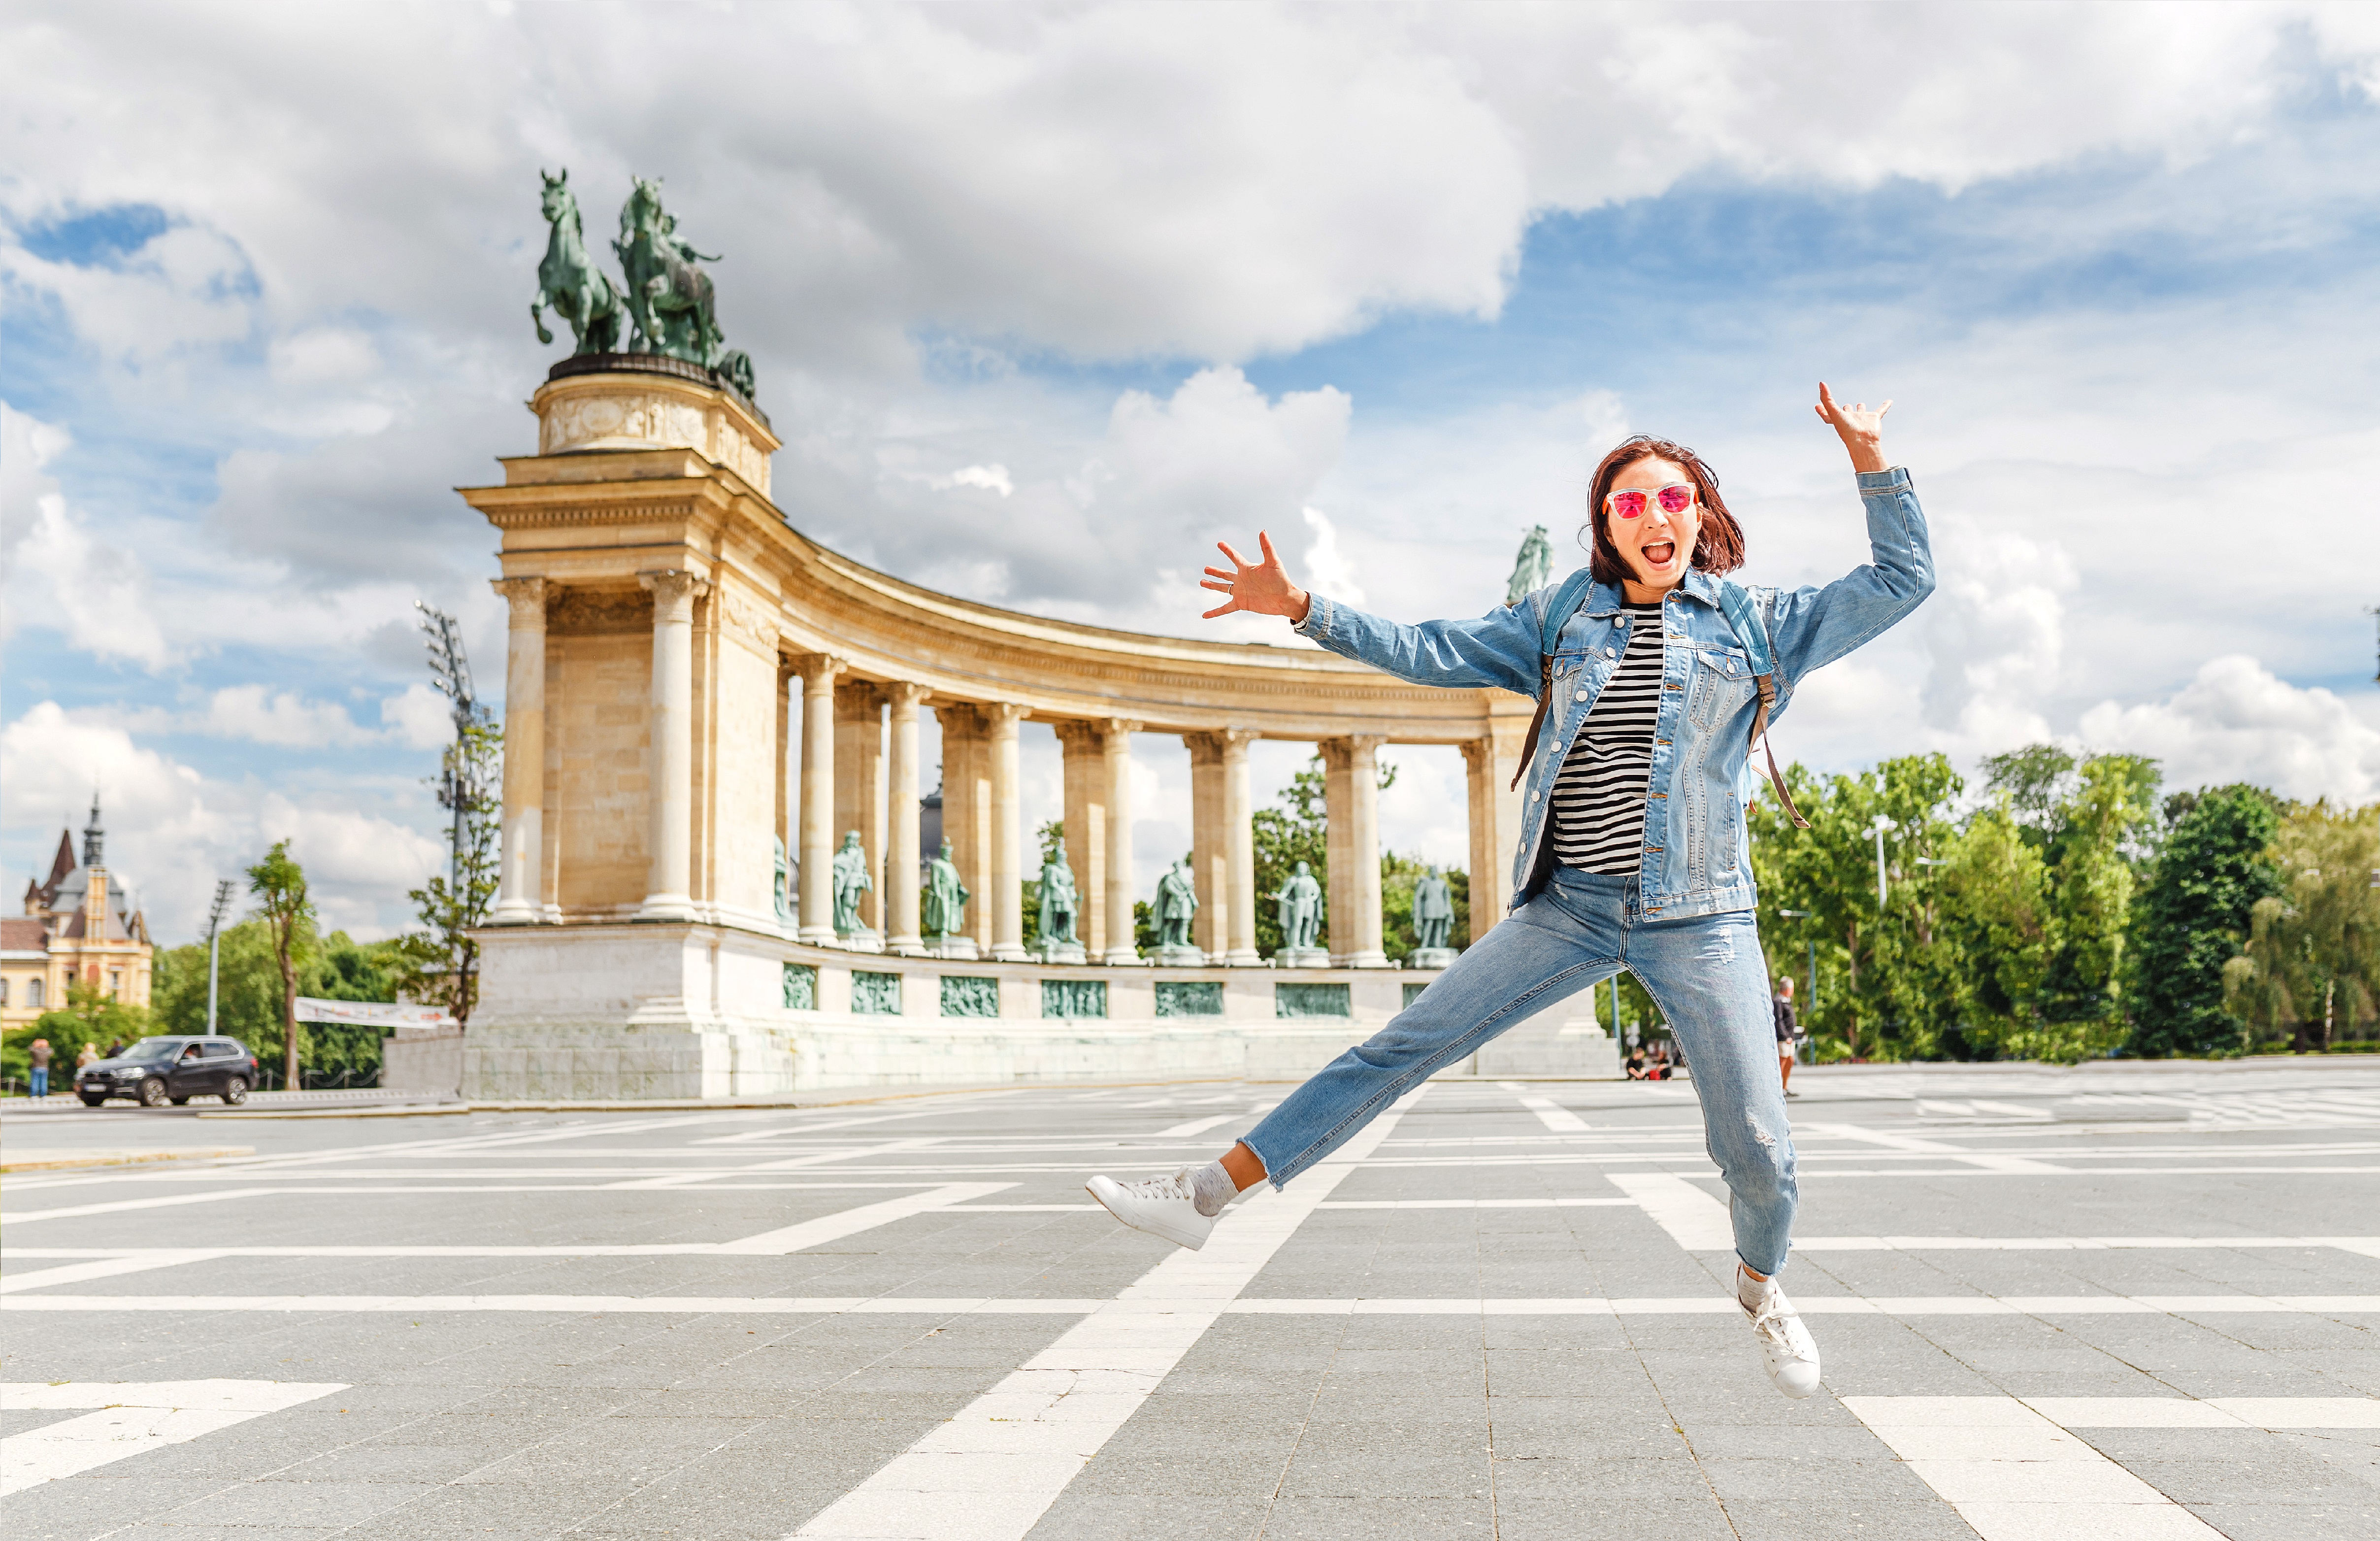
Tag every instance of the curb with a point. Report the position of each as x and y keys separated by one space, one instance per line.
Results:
x=60 y=1160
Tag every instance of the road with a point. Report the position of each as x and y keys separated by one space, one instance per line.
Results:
x=2116 y=1302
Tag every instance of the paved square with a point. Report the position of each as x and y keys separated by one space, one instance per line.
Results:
x=2118 y=1303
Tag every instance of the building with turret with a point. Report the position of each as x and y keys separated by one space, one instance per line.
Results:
x=78 y=924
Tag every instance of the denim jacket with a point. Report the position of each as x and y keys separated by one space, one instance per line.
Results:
x=1698 y=853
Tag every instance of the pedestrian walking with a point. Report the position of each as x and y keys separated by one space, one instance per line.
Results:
x=86 y=1055
x=1787 y=1030
x=40 y=1055
x=1653 y=675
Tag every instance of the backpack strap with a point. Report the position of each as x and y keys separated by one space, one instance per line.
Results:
x=1750 y=627
x=1559 y=610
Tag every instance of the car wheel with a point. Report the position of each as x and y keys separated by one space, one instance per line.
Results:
x=235 y=1091
x=94 y=1101
x=152 y=1093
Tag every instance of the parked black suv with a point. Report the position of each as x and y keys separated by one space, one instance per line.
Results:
x=158 y=1071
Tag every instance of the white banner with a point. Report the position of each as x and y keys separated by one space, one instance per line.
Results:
x=377 y=1013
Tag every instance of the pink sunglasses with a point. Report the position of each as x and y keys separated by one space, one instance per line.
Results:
x=1628 y=504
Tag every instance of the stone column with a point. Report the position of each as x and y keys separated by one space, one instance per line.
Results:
x=1495 y=812
x=1351 y=788
x=967 y=813
x=902 y=857
x=859 y=783
x=671 y=795
x=520 y=896
x=1239 y=848
x=789 y=833
x=819 y=670
x=1210 y=872
x=1007 y=834
x=1085 y=758
x=1115 y=745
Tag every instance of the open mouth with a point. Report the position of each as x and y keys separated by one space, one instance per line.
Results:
x=1659 y=553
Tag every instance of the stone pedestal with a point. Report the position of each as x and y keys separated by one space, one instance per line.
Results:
x=958 y=949
x=1301 y=957
x=863 y=941
x=1430 y=957
x=1180 y=957
x=1060 y=952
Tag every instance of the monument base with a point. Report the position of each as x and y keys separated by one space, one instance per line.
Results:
x=1301 y=957
x=632 y=1011
x=1060 y=952
x=863 y=941
x=958 y=949
x=1431 y=957
x=1178 y=956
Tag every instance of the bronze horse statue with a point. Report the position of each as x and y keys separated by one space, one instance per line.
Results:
x=669 y=298
x=568 y=281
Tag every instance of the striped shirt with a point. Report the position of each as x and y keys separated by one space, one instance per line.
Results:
x=1599 y=797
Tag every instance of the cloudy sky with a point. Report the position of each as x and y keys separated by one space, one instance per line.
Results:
x=1046 y=298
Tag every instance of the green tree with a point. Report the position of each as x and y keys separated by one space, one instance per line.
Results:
x=2193 y=917
x=1999 y=920
x=2313 y=963
x=279 y=885
x=438 y=963
x=1885 y=973
x=90 y=1015
x=333 y=968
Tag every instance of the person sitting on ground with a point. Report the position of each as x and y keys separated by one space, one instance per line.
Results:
x=1635 y=1066
x=1649 y=667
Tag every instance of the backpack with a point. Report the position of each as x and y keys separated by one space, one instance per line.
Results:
x=1743 y=615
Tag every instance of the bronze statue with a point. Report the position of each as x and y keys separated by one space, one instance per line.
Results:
x=568 y=281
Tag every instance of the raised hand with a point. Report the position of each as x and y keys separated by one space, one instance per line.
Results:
x=1258 y=588
x=1862 y=430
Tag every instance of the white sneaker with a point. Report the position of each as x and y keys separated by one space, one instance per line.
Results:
x=1160 y=1206
x=1791 y=1353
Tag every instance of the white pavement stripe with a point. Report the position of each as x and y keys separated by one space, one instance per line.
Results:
x=1584 y=1305
x=847 y=1153
x=73 y=1211
x=1693 y=1219
x=2273 y=1412
x=1559 y=1119
x=990 y=1472
x=135 y=1416
x=77 y=1273
x=1196 y=1126
x=1479 y=1203
x=2014 y=1476
x=867 y=1217
x=2367 y=1245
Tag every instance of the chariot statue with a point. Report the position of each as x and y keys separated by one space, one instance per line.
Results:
x=667 y=307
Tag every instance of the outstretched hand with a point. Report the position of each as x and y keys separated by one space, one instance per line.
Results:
x=1862 y=430
x=1258 y=588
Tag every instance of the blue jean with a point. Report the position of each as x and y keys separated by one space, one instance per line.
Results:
x=40 y=1080
x=1706 y=974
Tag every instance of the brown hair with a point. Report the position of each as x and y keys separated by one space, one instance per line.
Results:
x=1718 y=548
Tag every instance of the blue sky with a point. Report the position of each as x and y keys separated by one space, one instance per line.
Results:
x=1387 y=282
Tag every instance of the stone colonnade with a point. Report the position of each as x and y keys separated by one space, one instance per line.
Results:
x=669 y=627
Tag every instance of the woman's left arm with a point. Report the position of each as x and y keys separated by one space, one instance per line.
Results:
x=1812 y=627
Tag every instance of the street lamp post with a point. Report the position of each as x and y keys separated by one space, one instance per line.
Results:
x=1881 y=828
x=214 y=946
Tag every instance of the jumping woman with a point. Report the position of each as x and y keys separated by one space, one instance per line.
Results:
x=1653 y=675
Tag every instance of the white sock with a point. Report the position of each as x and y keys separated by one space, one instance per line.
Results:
x=1750 y=1291
x=1211 y=1187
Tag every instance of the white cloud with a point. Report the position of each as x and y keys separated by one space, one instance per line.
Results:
x=419 y=717
x=184 y=287
x=55 y=569
x=1996 y=629
x=281 y=717
x=990 y=478
x=1326 y=570
x=2237 y=722
x=325 y=355
x=172 y=832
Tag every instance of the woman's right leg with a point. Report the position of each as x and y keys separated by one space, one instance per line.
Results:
x=1564 y=940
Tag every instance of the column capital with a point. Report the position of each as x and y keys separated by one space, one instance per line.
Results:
x=674 y=585
x=1077 y=736
x=906 y=693
x=818 y=669
x=859 y=695
x=1217 y=744
x=527 y=596
x=1000 y=715
x=1117 y=727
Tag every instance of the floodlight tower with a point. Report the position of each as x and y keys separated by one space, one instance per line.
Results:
x=214 y=946
x=459 y=791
